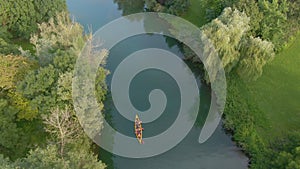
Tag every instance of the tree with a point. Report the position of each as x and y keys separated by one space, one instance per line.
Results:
x=214 y=8
x=252 y=10
x=64 y=88
x=82 y=95
x=6 y=46
x=154 y=6
x=19 y=128
x=21 y=16
x=59 y=37
x=39 y=86
x=39 y=158
x=225 y=33
x=84 y=159
x=5 y=163
x=255 y=53
x=9 y=136
x=57 y=46
x=274 y=21
x=13 y=69
x=130 y=6
x=63 y=125
x=176 y=7
x=100 y=84
x=14 y=107
x=288 y=160
x=49 y=158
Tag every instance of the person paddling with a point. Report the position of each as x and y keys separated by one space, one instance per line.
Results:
x=138 y=129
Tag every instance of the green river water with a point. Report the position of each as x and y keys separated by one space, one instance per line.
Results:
x=219 y=152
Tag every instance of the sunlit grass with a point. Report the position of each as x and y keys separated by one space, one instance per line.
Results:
x=196 y=13
x=277 y=92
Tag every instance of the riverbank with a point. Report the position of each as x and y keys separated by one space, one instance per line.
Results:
x=277 y=93
x=264 y=114
x=219 y=148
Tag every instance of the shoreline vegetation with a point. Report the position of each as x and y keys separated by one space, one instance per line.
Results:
x=261 y=113
x=258 y=44
x=38 y=126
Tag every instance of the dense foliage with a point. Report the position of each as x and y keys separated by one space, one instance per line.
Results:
x=21 y=17
x=226 y=33
x=255 y=54
x=48 y=158
x=130 y=6
x=36 y=106
x=175 y=7
x=36 y=103
x=270 y=27
x=242 y=119
x=229 y=34
x=6 y=46
x=275 y=20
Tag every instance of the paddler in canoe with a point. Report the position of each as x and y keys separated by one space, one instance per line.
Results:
x=138 y=129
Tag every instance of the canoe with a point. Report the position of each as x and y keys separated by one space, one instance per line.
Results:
x=139 y=136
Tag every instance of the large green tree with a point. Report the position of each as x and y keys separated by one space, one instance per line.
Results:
x=13 y=69
x=130 y=6
x=42 y=88
x=49 y=158
x=5 y=163
x=19 y=131
x=251 y=8
x=176 y=7
x=39 y=86
x=59 y=37
x=255 y=53
x=225 y=33
x=6 y=46
x=57 y=46
x=21 y=16
x=288 y=160
x=274 y=21
x=15 y=110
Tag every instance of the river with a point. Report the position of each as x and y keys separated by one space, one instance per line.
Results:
x=219 y=152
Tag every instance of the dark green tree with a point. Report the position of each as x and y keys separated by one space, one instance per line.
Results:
x=251 y=8
x=39 y=86
x=176 y=7
x=21 y=16
x=6 y=46
x=288 y=160
x=130 y=6
x=274 y=22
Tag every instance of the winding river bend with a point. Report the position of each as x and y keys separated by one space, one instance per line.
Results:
x=219 y=152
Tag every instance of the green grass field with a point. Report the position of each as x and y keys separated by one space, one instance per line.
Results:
x=277 y=93
x=196 y=13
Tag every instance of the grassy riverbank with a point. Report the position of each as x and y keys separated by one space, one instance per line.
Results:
x=277 y=93
x=262 y=114
x=196 y=13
